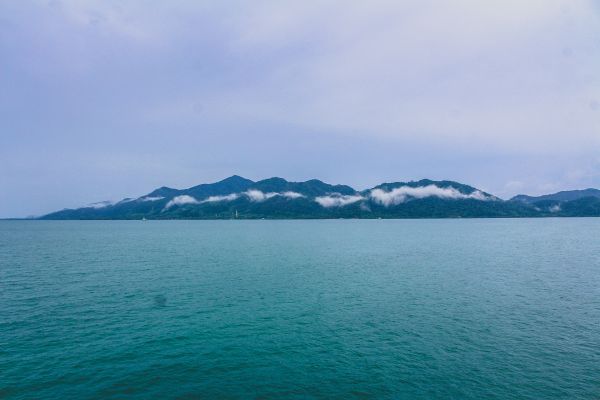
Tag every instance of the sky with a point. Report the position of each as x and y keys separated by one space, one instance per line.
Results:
x=102 y=100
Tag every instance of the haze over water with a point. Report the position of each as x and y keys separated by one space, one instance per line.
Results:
x=419 y=309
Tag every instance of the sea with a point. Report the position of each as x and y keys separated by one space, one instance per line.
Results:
x=300 y=309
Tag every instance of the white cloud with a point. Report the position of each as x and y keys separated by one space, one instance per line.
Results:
x=151 y=198
x=229 y=197
x=404 y=193
x=252 y=195
x=258 y=196
x=292 y=195
x=555 y=208
x=181 y=200
x=337 y=200
x=100 y=204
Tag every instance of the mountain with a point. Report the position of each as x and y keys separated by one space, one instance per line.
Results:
x=232 y=184
x=571 y=203
x=568 y=195
x=277 y=198
x=314 y=187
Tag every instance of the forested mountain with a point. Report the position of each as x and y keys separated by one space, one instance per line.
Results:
x=237 y=197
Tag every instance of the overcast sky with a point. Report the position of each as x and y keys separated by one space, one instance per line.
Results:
x=101 y=100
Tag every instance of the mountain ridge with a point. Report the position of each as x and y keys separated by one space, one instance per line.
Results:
x=564 y=195
x=278 y=198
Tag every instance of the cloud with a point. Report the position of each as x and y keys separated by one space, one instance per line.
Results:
x=252 y=195
x=337 y=200
x=151 y=198
x=292 y=195
x=258 y=196
x=100 y=204
x=181 y=200
x=404 y=193
x=229 y=197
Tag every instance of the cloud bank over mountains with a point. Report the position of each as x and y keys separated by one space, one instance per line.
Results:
x=317 y=199
x=252 y=195
x=276 y=198
x=404 y=193
x=228 y=197
x=258 y=196
x=338 y=200
x=181 y=200
x=151 y=198
x=393 y=197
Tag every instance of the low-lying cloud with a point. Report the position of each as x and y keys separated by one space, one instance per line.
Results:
x=229 y=197
x=151 y=198
x=403 y=193
x=100 y=204
x=258 y=196
x=386 y=198
x=292 y=195
x=252 y=195
x=338 y=200
x=181 y=200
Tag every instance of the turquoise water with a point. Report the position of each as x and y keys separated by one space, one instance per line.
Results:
x=424 y=309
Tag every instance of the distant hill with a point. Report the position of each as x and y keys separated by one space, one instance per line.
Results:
x=277 y=198
x=567 y=195
x=569 y=203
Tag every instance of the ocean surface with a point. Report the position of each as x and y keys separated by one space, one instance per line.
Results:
x=390 y=309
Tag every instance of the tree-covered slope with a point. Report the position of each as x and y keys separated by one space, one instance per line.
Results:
x=237 y=197
x=567 y=195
